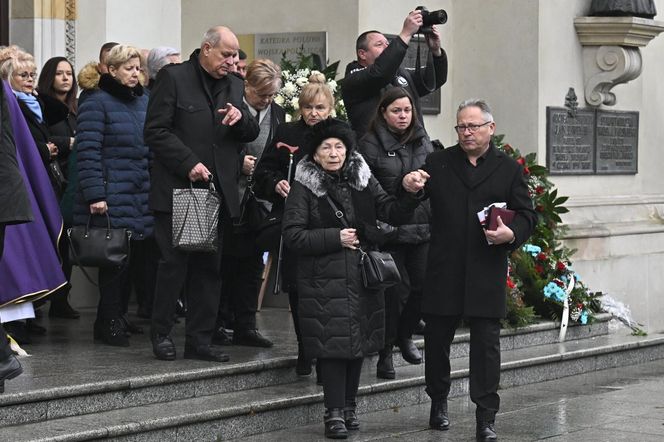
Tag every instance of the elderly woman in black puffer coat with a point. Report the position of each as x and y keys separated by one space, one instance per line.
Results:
x=340 y=320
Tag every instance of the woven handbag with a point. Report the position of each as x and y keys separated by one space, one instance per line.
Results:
x=195 y=219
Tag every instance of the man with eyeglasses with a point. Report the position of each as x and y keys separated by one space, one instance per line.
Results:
x=467 y=265
x=378 y=67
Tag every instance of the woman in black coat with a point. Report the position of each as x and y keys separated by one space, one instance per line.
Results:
x=395 y=145
x=340 y=320
x=271 y=182
x=57 y=89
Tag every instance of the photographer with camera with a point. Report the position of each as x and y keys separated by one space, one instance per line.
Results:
x=378 y=67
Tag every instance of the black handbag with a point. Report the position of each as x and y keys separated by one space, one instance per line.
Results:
x=268 y=232
x=253 y=210
x=377 y=268
x=98 y=246
x=57 y=177
x=196 y=218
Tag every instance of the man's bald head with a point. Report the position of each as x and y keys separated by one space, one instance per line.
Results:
x=218 y=51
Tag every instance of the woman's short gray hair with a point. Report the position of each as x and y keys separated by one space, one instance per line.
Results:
x=481 y=104
x=158 y=58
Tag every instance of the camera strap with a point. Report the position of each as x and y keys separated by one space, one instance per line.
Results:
x=418 y=69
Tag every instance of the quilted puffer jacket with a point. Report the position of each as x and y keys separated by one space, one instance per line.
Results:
x=112 y=158
x=389 y=161
x=339 y=318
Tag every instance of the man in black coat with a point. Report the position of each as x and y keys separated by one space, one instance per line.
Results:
x=195 y=124
x=467 y=264
x=378 y=67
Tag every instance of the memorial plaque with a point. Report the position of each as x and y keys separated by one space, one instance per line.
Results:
x=617 y=142
x=570 y=141
x=273 y=46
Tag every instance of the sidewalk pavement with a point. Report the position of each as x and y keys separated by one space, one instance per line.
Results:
x=620 y=404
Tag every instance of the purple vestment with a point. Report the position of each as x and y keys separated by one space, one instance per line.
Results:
x=30 y=265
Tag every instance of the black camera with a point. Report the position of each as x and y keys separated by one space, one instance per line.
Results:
x=430 y=18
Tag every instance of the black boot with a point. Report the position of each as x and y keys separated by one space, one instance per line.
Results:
x=60 y=308
x=385 y=366
x=409 y=351
x=350 y=416
x=111 y=332
x=9 y=369
x=438 y=419
x=485 y=431
x=335 y=428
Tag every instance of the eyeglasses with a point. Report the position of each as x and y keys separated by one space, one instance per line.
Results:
x=25 y=75
x=471 y=127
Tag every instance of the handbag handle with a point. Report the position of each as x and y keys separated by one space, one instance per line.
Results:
x=77 y=261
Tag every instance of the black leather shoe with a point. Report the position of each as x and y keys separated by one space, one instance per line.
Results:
x=409 y=351
x=130 y=327
x=62 y=309
x=385 y=366
x=438 y=419
x=222 y=336
x=163 y=347
x=485 y=431
x=251 y=338
x=351 y=420
x=205 y=353
x=9 y=369
x=335 y=428
x=303 y=366
x=111 y=332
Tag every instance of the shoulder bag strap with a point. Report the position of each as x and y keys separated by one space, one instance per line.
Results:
x=338 y=213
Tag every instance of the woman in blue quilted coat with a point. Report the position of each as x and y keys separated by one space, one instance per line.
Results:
x=114 y=179
x=340 y=320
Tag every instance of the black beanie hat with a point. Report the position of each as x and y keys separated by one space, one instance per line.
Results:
x=329 y=128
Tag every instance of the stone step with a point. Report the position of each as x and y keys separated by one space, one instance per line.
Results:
x=235 y=414
x=91 y=381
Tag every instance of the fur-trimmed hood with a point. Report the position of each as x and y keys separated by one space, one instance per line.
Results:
x=355 y=171
x=88 y=77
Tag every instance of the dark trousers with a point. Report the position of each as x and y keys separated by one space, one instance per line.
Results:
x=240 y=282
x=402 y=301
x=198 y=274
x=341 y=379
x=113 y=284
x=142 y=274
x=484 y=360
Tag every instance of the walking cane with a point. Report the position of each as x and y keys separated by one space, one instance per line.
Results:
x=277 y=281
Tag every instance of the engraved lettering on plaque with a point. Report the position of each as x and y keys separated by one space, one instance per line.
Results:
x=617 y=141
x=570 y=142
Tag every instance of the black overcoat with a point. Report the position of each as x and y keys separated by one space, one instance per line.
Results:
x=183 y=128
x=465 y=275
